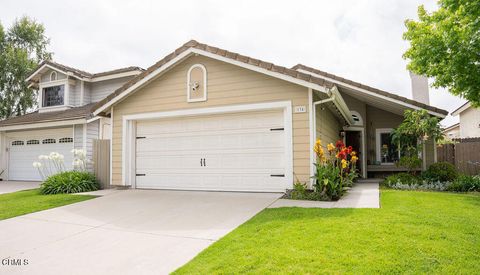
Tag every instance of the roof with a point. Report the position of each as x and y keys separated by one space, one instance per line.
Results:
x=451 y=127
x=80 y=73
x=462 y=108
x=36 y=117
x=368 y=88
x=192 y=44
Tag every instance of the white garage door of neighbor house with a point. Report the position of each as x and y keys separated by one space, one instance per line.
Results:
x=25 y=147
x=228 y=152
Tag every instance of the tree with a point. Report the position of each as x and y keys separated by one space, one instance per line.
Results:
x=445 y=45
x=22 y=48
x=410 y=136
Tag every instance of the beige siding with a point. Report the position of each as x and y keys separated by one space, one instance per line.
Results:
x=470 y=123
x=46 y=76
x=328 y=126
x=227 y=84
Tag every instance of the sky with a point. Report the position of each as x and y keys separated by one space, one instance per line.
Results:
x=357 y=39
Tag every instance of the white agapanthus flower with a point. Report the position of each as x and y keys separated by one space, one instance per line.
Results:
x=43 y=157
x=37 y=164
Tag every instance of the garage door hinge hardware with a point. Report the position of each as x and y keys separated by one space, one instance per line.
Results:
x=141 y=137
x=277 y=175
x=277 y=129
x=140 y=175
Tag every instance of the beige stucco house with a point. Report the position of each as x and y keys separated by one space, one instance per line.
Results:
x=469 y=125
x=204 y=118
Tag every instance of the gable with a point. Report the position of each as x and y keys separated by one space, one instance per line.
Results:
x=45 y=75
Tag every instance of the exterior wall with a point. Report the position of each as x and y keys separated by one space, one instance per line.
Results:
x=227 y=84
x=3 y=156
x=376 y=119
x=328 y=126
x=100 y=90
x=46 y=76
x=470 y=123
x=452 y=133
x=92 y=133
x=356 y=105
x=78 y=136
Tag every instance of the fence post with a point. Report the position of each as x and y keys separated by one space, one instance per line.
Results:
x=101 y=161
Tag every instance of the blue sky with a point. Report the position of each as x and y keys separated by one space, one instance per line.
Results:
x=356 y=39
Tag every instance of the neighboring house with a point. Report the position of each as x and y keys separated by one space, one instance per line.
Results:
x=469 y=121
x=63 y=120
x=204 y=118
x=452 y=131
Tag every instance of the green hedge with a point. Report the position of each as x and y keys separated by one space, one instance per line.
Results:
x=70 y=182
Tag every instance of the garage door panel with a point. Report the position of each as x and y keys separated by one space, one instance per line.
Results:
x=241 y=152
x=21 y=157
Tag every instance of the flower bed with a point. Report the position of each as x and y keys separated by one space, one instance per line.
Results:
x=335 y=172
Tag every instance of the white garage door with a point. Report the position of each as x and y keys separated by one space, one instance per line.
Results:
x=25 y=147
x=230 y=152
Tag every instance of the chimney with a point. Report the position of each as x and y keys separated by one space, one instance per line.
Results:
x=420 y=88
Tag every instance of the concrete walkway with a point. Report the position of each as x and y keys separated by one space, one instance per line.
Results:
x=363 y=195
x=125 y=231
x=14 y=186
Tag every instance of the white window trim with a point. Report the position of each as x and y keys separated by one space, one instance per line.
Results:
x=204 y=97
x=129 y=128
x=51 y=76
x=378 y=132
x=60 y=82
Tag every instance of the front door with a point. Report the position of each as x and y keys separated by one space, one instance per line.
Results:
x=354 y=139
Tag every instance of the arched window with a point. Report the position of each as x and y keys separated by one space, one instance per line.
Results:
x=357 y=118
x=49 y=140
x=53 y=76
x=17 y=143
x=65 y=140
x=197 y=83
x=33 y=142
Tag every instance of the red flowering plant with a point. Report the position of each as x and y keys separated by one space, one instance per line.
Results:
x=335 y=170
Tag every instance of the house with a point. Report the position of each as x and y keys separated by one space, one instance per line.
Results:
x=452 y=132
x=204 y=118
x=469 y=125
x=63 y=120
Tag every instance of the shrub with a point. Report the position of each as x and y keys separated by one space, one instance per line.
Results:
x=401 y=178
x=465 y=183
x=440 y=171
x=69 y=182
x=299 y=191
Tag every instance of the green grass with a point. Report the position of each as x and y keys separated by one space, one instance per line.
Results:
x=28 y=201
x=413 y=232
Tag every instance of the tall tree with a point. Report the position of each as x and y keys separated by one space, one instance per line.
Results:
x=22 y=47
x=445 y=45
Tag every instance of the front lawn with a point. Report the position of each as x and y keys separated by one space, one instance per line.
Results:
x=28 y=201
x=413 y=232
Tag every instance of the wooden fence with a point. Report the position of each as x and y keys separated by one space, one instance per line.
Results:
x=464 y=154
x=101 y=161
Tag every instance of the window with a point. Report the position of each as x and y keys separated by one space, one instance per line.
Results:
x=65 y=140
x=53 y=96
x=387 y=151
x=17 y=143
x=49 y=140
x=33 y=141
x=53 y=76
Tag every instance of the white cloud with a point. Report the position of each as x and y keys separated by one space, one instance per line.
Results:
x=356 y=39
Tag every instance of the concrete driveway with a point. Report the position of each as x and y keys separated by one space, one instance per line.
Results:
x=125 y=231
x=14 y=186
